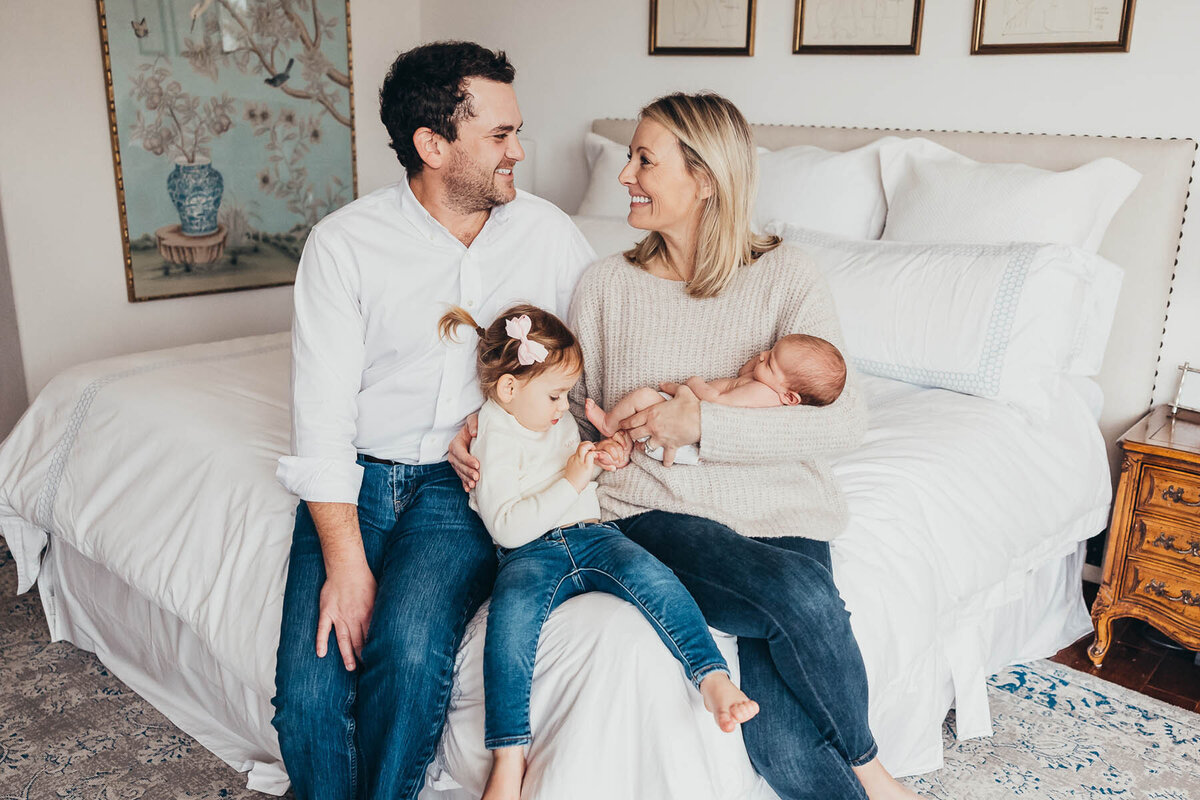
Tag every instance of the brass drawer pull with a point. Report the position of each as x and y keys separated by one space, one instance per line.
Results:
x=1175 y=495
x=1159 y=589
x=1168 y=543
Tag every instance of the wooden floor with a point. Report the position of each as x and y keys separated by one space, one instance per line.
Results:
x=1135 y=662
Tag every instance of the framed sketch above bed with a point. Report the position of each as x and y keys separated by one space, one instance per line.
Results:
x=863 y=27
x=1052 y=26
x=232 y=126
x=702 y=27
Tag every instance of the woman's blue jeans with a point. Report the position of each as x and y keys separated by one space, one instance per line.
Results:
x=536 y=578
x=372 y=732
x=798 y=655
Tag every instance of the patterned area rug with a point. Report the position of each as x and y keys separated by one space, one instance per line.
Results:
x=1066 y=734
x=69 y=730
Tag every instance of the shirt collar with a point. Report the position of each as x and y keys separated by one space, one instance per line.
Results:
x=419 y=216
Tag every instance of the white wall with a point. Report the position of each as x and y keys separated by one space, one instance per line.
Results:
x=578 y=59
x=58 y=196
x=13 y=399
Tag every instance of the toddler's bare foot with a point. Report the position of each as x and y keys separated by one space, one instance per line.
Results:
x=729 y=705
x=880 y=785
x=508 y=770
x=597 y=417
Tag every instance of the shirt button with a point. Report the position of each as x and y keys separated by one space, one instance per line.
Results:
x=470 y=304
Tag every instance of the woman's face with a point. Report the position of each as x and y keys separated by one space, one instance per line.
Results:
x=663 y=195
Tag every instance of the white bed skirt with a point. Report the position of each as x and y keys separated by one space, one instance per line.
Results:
x=1045 y=612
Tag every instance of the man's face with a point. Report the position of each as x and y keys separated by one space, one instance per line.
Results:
x=478 y=173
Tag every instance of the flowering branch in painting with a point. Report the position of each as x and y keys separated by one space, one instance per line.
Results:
x=182 y=124
x=289 y=137
x=260 y=37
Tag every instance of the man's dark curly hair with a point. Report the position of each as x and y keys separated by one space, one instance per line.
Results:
x=425 y=88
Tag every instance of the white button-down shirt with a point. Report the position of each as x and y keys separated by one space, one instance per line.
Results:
x=369 y=373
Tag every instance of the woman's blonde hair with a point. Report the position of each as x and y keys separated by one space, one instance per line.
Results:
x=717 y=146
x=496 y=354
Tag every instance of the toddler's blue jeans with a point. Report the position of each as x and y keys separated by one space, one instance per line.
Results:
x=536 y=578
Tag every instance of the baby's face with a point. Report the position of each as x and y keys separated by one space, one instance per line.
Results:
x=541 y=401
x=767 y=367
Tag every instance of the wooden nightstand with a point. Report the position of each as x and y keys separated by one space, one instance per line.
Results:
x=1152 y=560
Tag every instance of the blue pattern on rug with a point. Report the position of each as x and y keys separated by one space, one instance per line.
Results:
x=1066 y=734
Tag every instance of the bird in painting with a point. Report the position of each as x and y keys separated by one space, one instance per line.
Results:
x=140 y=29
x=197 y=10
x=280 y=78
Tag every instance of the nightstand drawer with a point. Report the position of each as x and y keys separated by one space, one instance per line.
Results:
x=1170 y=492
x=1166 y=541
x=1174 y=597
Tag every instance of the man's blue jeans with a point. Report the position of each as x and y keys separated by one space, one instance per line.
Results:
x=798 y=655
x=536 y=578
x=372 y=732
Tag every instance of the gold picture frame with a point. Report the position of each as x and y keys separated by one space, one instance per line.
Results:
x=882 y=27
x=257 y=91
x=702 y=27
x=1040 y=26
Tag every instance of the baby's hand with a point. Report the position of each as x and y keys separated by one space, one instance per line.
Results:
x=578 y=471
x=613 y=453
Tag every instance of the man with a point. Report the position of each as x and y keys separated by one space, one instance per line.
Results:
x=388 y=563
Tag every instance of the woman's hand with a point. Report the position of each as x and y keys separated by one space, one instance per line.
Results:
x=579 y=467
x=670 y=424
x=465 y=464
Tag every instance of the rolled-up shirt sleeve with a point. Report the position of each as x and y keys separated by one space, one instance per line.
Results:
x=327 y=362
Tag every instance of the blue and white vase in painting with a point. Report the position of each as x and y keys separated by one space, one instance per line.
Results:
x=195 y=189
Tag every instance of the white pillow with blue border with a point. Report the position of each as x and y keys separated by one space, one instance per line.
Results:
x=1002 y=321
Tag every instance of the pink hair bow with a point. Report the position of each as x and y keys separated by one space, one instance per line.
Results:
x=529 y=351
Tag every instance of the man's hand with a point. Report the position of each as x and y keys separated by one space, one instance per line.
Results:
x=465 y=464
x=613 y=453
x=347 y=600
x=670 y=424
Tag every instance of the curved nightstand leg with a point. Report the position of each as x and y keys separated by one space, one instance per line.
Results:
x=1102 y=619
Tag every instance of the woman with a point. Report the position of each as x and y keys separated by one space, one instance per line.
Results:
x=747 y=530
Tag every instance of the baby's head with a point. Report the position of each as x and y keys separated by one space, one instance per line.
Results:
x=803 y=369
x=527 y=361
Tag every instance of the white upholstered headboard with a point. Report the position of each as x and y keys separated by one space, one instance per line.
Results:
x=1143 y=238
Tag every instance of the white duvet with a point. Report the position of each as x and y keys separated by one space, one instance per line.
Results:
x=160 y=466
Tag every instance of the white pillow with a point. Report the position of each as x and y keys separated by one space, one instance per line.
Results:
x=999 y=321
x=608 y=235
x=936 y=195
x=824 y=190
x=605 y=196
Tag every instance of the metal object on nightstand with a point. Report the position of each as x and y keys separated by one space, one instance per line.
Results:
x=1184 y=370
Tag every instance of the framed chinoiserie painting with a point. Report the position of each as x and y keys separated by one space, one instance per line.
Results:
x=702 y=27
x=1052 y=26
x=232 y=125
x=864 y=27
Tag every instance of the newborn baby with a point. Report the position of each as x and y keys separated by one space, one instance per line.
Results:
x=798 y=370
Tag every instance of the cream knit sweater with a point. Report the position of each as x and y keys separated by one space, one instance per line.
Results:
x=762 y=471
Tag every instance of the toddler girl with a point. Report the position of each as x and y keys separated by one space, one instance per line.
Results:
x=536 y=494
x=799 y=369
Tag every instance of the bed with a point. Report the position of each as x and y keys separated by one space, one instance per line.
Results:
x=139 y=494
